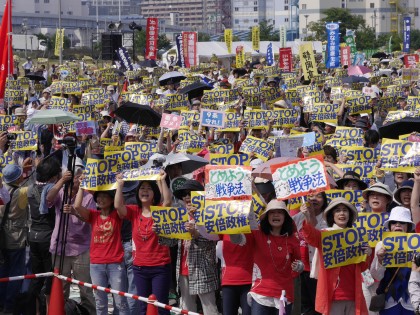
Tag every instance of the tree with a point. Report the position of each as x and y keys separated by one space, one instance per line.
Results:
x=164 y=42
x=203 y=37
x=415 y=39
x=366 y=38
x=267 y=32
x=344 y=16
x=383 y=41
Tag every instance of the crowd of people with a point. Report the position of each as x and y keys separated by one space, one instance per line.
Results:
x=109 y=236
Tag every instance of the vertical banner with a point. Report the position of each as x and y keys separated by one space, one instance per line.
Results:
x=180 y=51
x=240 y=56
x=228 y=39
x=345 y=56
x=307 y=60
x=59 y=37
x=125 y=58
x=189 y=41
x=350 y=41
x=256 y=38
x=283 y=33
x=270 y=56
x=152 y=34
x=411 y=60
x=285 y=59
x=407 y=34
x=333 y=45
x=6 y=50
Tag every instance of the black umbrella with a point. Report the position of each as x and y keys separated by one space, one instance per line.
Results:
x=400 y=127
x=138 y=114
x=354 y=79
x=379 y=55
x=239 y=71
x=148 y=63
x=173 y=76
x=35 y=76
x=195 y=89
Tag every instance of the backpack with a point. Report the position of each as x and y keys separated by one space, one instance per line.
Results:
x=73 y=308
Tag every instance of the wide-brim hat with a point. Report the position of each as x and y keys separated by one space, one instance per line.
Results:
x=189 y=185
x=11 y=173
x=407 y=184
x=340 y=201
x=275 y=204
x=379 y=188
x=400 y=214
x=350 y=175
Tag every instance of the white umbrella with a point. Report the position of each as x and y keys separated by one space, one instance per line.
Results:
x=52 y=116
x=175 y=76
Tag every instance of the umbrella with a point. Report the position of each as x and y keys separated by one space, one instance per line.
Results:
x=354 y=79
x=358 y=70
x=173 y=76
x=52 y=116
x=138 y=114
x=148 y=63
x=189 y=162
x=195 y=89
x=379 y=55
x=35 y=76
x=400 y=127
x=263 y=170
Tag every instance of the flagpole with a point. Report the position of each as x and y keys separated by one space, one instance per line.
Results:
x=9 y=41
x=60 y=54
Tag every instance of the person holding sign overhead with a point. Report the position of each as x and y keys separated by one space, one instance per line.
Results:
x=276 y=260
x=152 y=261
x=339 y=289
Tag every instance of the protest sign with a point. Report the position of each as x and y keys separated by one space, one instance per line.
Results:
x=338 y=143
x=227 y=217
x=176 y=102
x=9 y=121
x=288 y=146
x=190 y=142
x=307 y=59
x=365 y=170
x=141 y=150
x=229 y=159
x=398 y=115
x=400 y=248
x=348 y=132
x=170 y=222
x=142 y=173
x=255 y=118
x=212 y=118
x=324 y=112
x=100 y=175
x=356 y=154
x=15 y=96
x=281 y=117
x=299 y=178
x=198 y=202
x=85 y=128
x=353 y=196
x=228 y=148
x=125 y=159
x=59 y=103
x=373 y=224
x=25 y=141
x=358 y=105
x=400 y=155
x=258 y=205
x=343 y=247
x=228 y=182
x=261 y=148
x=170 y=121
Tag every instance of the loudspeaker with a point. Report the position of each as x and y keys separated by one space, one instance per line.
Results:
x=110 y=44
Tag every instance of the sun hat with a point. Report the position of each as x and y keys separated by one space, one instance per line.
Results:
x=340 y=201
x=11 y=173
x=379 y=188
x=255 y=163
x=189 y=185
x=105 y=113
x=351 y=175
x=361 y=123
x=110 y=88
x=400 y=214
x=275 y=204
x=281 y=103
x=20 y=111
x=330 y=124
x=407 y=184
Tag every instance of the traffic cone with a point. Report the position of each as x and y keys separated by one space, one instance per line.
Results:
x=56 y=306
x=151 y=308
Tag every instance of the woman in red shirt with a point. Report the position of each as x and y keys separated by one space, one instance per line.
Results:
x=339 y=289
x=277 y=262
x=152 y=261
x=106 y=251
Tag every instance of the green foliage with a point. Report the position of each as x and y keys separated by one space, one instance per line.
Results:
x=203 y=37
x=163 y=42
x=267 y=32
x=365 y=38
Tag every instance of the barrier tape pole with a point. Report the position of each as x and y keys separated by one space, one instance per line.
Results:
x=129 y=295
x=32 y=276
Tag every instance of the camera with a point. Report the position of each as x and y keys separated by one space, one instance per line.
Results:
x=158 y=162
x=416 y=259
x=69 y=142
x=11 y=136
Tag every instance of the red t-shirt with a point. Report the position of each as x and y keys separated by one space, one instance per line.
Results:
x=418 y=227
x=346 y=287
x=148 y=251
x=239 y=262
x=105 y=242
x=304 y=252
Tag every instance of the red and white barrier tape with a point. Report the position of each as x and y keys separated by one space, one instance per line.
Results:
x=32 y=276
x=129 y=295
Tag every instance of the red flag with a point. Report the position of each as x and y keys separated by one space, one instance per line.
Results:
x=152 y=34
x=286 y=59
x=6 y=53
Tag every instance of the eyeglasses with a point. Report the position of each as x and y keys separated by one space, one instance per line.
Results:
x=395 y=222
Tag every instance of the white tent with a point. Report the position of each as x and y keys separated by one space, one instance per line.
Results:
x=205 y=50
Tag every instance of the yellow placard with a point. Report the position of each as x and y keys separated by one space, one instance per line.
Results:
x=400 y=248
x=261 y=148
x=373 y=223
x=25 y=141
x=400 y=155
x=307 y=59
x=228 y=39
x=142 y=174
x=170 y=222
x=100 y=175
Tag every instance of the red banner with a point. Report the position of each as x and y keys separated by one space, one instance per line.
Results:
x=152 y=34
x=6 y=52
x=345 y=56
x=189 y=42
x=286 y=59
x=411 y=60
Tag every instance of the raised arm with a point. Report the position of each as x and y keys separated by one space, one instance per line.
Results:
x=52 y=194
x=81 y=211
x=119 y=198
x=164 y=190
x=415 y=197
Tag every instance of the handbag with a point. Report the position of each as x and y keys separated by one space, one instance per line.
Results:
x=377 y=303
x=3 y=223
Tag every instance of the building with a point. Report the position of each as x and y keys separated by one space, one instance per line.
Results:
x=385 y=16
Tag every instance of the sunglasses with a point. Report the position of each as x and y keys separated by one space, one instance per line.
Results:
x=395 y=222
